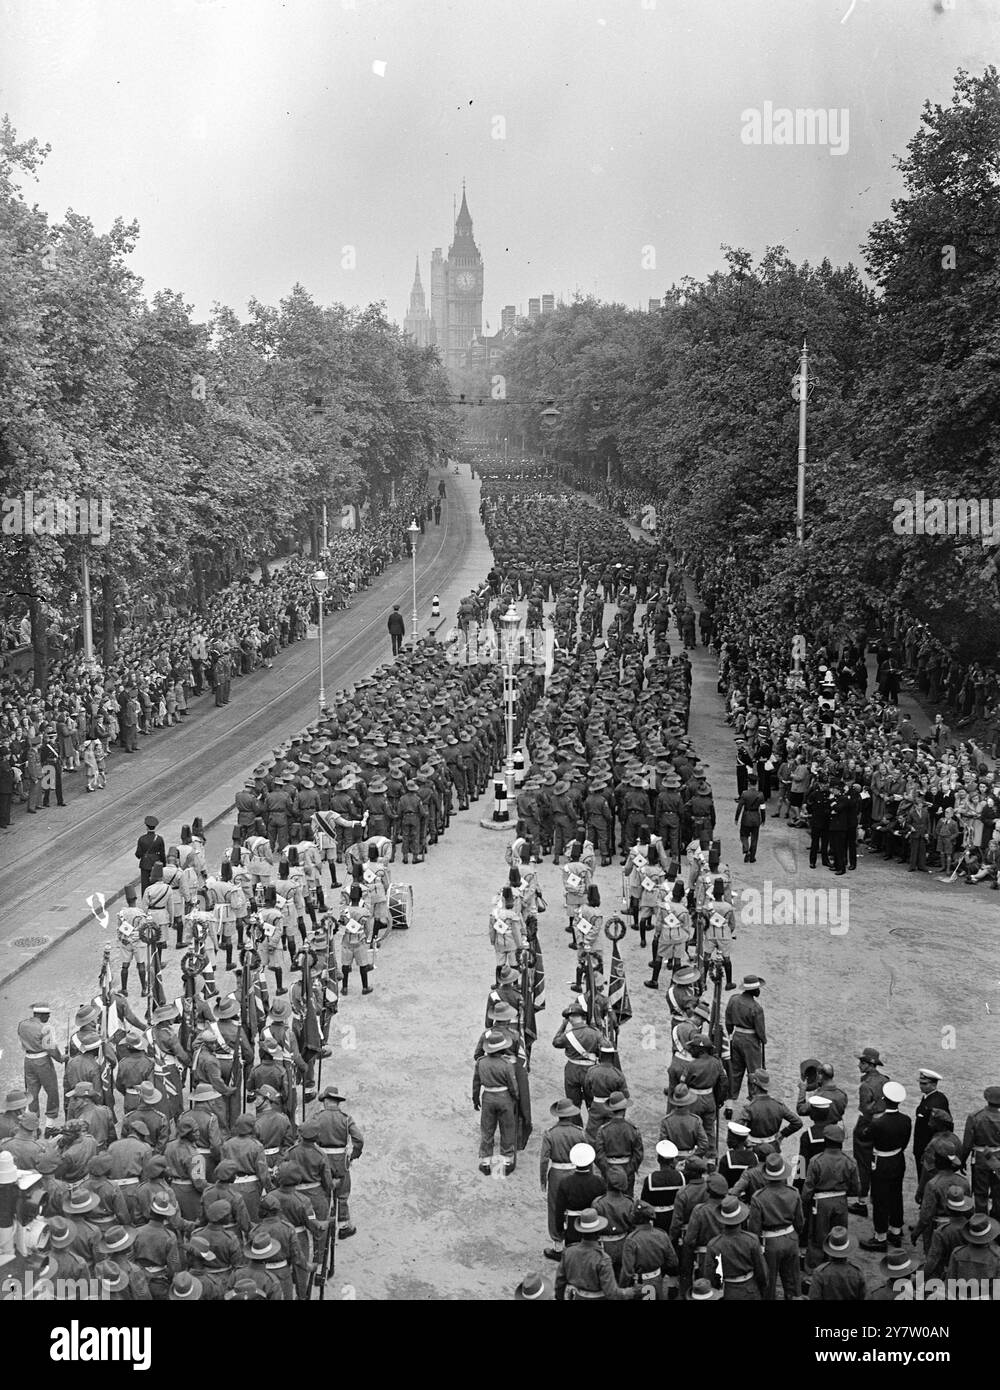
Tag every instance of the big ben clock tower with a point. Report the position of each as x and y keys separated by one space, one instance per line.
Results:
x=463 y=291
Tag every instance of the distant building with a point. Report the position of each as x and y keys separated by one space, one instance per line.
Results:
x=418 y=322
x=534 y=309
x=457 y=292
x=508 y=316
x=655 y=305
x=548 y=303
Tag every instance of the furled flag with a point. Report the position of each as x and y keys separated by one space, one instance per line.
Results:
x=621 y=1005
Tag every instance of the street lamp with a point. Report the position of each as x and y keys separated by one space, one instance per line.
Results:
x=413 y=531
x=509 y=624
x=320 y=582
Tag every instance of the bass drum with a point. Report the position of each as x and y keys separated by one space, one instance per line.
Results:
x=400 y=906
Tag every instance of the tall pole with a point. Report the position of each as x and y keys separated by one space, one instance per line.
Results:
x=88 y=630
x=509 y=690
x=322 y=691
x=414 y=533
x=800 y=514
x=326 y=536
x=800 y=507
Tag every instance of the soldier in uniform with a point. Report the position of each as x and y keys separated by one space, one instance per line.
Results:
x=705 y=1077
x=748 y=1037
x=580 y=1042
x=948 y=1233
x=619 y=1143
x=739 y=1156
x=981 y=1142
x=41 y=1052
x=837 y=1279
x=744 y=1274
x=495 y=1094
x=554 y=1163
x=776 y=1217
x=831 y=1178
x=930 y=1099
x=890 y=1135
x=765 y=1116
x=339 y=1131
x=683 y=1128
x=870 y=1103
x=825 y=1087
x=274 y=1224
x=186 y=1165
x=585 y=1271
x=649 y=1260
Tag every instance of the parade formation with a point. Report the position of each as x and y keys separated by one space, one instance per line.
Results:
x=191 y=1148
x=499 y=791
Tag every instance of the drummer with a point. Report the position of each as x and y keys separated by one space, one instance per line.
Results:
x=375 y=879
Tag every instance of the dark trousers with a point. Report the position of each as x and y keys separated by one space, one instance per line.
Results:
x=852 y=844
x=819 y=844
x=918 y=851
x=745 y=1057
x=5 y=801
x=838 y=848
x=397 y=642
x=863 y=1158
x=887 y=1195
x=749 y=834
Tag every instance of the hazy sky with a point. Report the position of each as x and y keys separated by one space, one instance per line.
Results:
x=253 y=141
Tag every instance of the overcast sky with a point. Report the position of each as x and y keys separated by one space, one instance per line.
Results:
x=253 y=140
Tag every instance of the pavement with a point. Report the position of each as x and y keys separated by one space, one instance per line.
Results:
x=51 y=865
x=914 y=974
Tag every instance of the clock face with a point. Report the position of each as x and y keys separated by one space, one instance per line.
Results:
x=465 y=280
